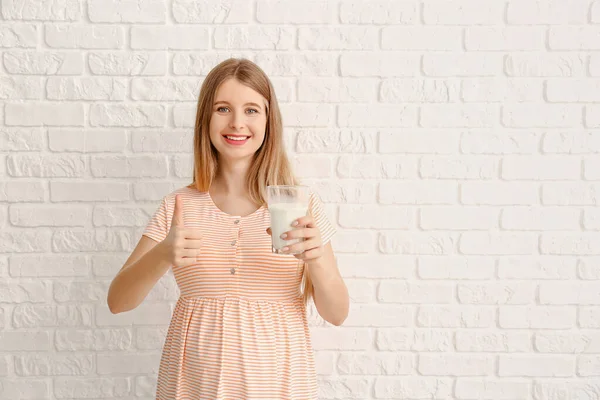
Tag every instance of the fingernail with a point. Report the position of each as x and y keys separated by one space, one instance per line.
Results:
x=294 y=223
x=283 y=236
x=285 y=249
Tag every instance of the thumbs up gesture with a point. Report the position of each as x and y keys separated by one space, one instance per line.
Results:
x=182 y=244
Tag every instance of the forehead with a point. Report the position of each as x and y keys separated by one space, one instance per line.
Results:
x=234 y=92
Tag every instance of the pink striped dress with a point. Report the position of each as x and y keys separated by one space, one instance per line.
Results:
x=239 y=328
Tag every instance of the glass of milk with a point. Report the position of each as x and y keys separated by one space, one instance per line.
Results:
x=286 y=204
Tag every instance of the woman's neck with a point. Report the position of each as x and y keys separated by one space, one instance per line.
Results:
x=231 y=179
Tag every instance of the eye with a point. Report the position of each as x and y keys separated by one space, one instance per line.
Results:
x=253 y=109
x=221 y=108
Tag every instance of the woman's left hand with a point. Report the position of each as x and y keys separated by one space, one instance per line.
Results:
x=310 y=249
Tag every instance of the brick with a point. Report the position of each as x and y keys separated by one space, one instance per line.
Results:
x=490 y=141
x=88 y=141
x=589 y=317
x=502 y=90
x=404 y=292
x=338 y=38
x=456 y=317
x=414 y=387
x=21 y=139
x=25 y=241
x=492 y=193
x=380 y=363
x=128 y=11
x=417 y=192
x=379 y=315
x=294 y=12
x=377 y=64
x=125 y=115
x=537 y=64
x=18 y=35
x=43 y=63
x=567 y=342
x=592 y=119
x=308 y=114
x=128 y=63
x=88 y=191
x=431 y=141
x=328 y=90
x=86 y=88
x=541 y=115
x=24 y=292
x=574 y=38
x=542 y=219
x=290 y=64
x=505 y=39
x=555 y=389
x=569 y=293
x=536 y=317
x=455 y=267
x=375 y=266
x=153 y=89
x=458 y=218
x=573 y=90
x=376 y=217
x=590 y=170
x=463 y=12
x=568 y=193
x=436 y=340
x=38 y=114
x=65 y=388
x=20 y=88
x=535 y=366
x=22 y=191
x=571 y=142
x=25 y=389
x=428 y=38
x=46 y=166
x=463 y=167
x=497 y=243
x=349 y=388
x=570 y=244
x=588 y=268
x=480 y=388
x=588 y=366
x=72 y=36
x=39 y=266
x=417 y=243
x=553 y=12
x=456 y=365
x=253 y=38
x=50 y=10
x=405 y=90
x=335 y=141
x=459 y=116
x=458 y=64
x=29 y=215
x=540 y=168
x=386 y=167
x=166 y=37
x=49 y=365
x=382 y=115
x=354 y=241
x=209 y=12
x=479 y=341
x=496 y=293
x=341 y=338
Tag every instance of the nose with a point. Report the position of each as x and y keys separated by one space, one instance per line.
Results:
x=236 y=121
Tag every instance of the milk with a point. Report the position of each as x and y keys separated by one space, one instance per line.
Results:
x=282 y=216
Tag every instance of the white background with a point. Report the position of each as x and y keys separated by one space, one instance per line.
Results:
x=455 y=144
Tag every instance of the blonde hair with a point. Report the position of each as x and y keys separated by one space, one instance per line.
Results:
x=270 y=164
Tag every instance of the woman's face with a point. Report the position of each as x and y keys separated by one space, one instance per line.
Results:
x=238 y=121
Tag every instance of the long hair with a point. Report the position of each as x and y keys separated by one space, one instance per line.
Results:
x=270 y=164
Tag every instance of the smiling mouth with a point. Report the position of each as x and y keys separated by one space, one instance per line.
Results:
x=236 y=138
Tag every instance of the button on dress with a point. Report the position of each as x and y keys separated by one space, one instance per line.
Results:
x=239 y=328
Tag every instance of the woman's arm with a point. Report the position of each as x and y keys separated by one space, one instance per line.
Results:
x=331 y=294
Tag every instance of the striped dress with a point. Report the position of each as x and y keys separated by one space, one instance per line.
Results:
x=239 y=328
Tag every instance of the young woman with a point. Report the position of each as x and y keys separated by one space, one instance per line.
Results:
x=239 y=329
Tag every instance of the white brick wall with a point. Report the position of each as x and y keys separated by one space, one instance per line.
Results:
x=453 y=142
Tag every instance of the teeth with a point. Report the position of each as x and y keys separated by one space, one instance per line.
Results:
x=236 y=138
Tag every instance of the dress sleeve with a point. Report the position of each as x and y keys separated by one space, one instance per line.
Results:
x=157 y=228
x=317 y=211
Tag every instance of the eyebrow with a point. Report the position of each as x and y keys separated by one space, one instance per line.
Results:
x=247 y=104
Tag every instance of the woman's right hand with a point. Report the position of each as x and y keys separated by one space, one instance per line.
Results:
x=182 y=245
